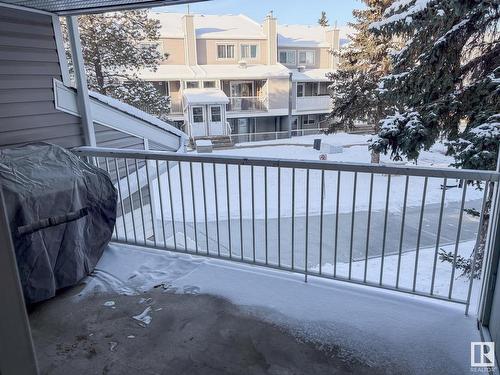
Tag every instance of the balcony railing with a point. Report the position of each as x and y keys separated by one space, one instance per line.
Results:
x=314 y=103
x=376 y=225
x=247 y=103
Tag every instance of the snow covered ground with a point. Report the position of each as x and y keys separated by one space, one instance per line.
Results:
x=199 y=187
x=378 y=326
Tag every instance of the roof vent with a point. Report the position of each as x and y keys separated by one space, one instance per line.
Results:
x=242 y=64
x=301 y=68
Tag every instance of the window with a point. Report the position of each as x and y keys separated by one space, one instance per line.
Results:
x=209 y=84
x=309 y=119
x=192 y=84
x=215 y=114
x=306 y=57
x=161 y=87
x=249 y=51
x=287 y=57
x=198 y=115
x=300 y=89
x=225 y=51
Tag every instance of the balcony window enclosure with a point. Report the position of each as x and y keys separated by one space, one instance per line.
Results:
x=312 y=89
x=161 y=87
x=209 y=84
x=192 y=84
x=288 y=57
x=246 y=95
x=225 y=51
x=306 y=58
x=248 y=51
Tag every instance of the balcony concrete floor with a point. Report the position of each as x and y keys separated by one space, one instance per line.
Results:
x=271 y=322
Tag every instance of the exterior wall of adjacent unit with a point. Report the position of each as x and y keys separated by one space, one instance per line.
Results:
x=112 y=138
x=207 y=51
x=29 y=62
x=174 y=47
x=278 y=93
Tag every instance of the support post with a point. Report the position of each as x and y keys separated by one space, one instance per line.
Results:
x=17 y=354
x=81 y=81
x=290 y=105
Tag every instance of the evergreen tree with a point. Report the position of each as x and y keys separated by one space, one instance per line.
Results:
x=323 y=21
x=444 y=84
x=115 y=46
x=363 y=62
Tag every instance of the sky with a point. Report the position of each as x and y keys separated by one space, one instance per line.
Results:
x=286 y=11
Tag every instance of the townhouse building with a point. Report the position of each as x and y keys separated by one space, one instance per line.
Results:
x=228 y=74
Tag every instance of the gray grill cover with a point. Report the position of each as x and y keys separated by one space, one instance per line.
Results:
x=61 y=212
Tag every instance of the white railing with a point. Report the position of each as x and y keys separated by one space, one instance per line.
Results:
x=247 y=103
x=376 y=225
x=314 y=103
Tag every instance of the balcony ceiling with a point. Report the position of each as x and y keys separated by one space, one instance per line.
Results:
x=75 y=7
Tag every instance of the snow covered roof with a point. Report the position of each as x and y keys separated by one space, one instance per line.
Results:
x=310 y=75
x=223 y=71
x=309 y=36
x=205 y=96
x=136 y=113
x=225 y=26
x=302 y=36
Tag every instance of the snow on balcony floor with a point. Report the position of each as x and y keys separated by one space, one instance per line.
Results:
x=320 y=327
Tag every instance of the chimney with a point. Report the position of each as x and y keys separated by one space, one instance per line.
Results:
x=333 y=39
x=189 y=39
x=270 y=28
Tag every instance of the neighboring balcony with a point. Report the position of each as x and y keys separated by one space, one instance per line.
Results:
x=175 y=107
x=248 y=104
x=313 y=103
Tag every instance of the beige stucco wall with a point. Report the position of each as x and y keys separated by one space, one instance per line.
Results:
x=175 y=49
x=207 y=51
x=278 y=93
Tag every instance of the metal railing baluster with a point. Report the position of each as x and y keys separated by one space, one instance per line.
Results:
x=457 y=241
x=370 y=198
x=474 y=258
x=307 y=225
x=253 y=212
x=403 y=215
x=337 y=203
x=419 y=234
x=172 y=205
x=216 y=209
x=384 y=236
x=265 y=212
x=139 y=191
x=438 y=236
x=351 y=244
x=205 y=204
x=228 y=213
x=120 y=197
x=194 y=208
x=160 y=191
x=293 y=217
x=322 y=193
x=241 y=212
x=130 y=199
x=155 y=240
x=279 y=216
x=183 y=207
